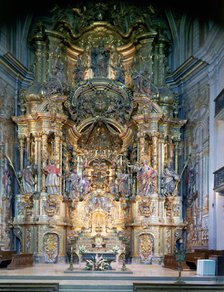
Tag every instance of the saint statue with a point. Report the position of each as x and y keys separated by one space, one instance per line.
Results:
x=28 y=181
x=119 y=73
x=169 y=181
x=72 y=182
x=146 y=176
x=123 y=184
x=52 y=173
x=7 y=180
x=191 y=183
x=142 y=83
x=99 y=61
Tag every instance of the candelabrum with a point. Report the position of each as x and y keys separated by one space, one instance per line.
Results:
x=180 y=256
x=124 y=268
x=71 y=268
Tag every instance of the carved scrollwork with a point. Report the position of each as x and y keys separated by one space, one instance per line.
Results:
x=146 y=208
x=168 y=206
x=52 y=206
x=103 y=98
x=176 y=210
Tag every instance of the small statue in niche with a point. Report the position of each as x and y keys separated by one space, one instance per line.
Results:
x=191 y=180
x=52 y=173
x=124 y=184
x=142 y=83
x=72 y=182
x=169 y=181
x=99 y=61
x=28 y=180
x=191 y=184
x=7 y=180
x=119 y=72
x=83 y=186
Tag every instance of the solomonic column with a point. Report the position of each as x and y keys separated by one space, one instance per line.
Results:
x=44 y=158
x=58 y=155
x=155 y=139
x=176 y=154
x=141 y=145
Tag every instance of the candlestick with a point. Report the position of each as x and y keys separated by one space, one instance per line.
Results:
x=71 y=260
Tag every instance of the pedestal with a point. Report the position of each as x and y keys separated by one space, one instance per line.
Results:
x=206 y=267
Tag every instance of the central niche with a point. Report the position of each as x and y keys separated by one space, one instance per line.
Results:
x=101 y=143
x=100 y=136
x=100 y=208
x=100 y=174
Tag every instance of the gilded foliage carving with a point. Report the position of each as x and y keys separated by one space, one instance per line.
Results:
x=104 y=100
x=50 y=247
x=25 y=205
x=146 y=247
x=118 y=14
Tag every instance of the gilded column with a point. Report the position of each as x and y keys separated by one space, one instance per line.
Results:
x=165 y=150
x=154 y=131
x=155 y=154
x=21 y=150
x=35 y=148
x=141 y=144
x=159 y=64
x=161 y=157
x=38 y=153
x=65 y=166
x=57 y=154
x=28 y=148
x=41 y=43
x=155 y=150
x=44 y=158
x=176 y=154
x=141 y=148
x=164 y=140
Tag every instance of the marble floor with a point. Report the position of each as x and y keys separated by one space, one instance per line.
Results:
x=136 y=272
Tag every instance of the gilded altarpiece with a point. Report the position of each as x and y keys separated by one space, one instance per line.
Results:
x=99 y=138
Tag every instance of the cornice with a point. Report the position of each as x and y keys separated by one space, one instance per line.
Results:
x=187 y=70
x=14 y=68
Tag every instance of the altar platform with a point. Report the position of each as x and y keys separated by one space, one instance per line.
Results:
x=56 y=279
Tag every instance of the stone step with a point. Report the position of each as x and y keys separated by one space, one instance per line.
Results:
x=29 y=287
x=95 y=288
